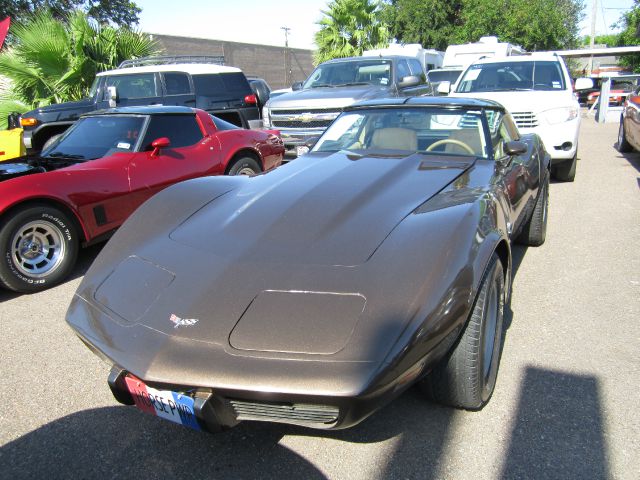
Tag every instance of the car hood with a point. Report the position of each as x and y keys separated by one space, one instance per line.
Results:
x=80 y=106
x=324 y=209
x=526 y=101
x=328 y=97
x=278 y=265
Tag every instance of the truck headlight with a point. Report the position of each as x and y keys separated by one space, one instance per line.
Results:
x=266 y=118
x=561 y=115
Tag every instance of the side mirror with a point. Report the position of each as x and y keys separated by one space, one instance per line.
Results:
x=296 y=86
x=409 y=81
x=515 y=148
x=157 y=144
x=112 y=96
x=583 y=84
x=306 y=146
x=444 y=87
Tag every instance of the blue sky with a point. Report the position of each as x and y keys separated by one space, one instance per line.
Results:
x=260 y=21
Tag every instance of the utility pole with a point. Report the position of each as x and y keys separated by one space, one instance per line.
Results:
x=592 y=41
x=287 y=59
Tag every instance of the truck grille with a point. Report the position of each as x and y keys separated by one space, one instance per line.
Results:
x=304 y=119
x=297 y=413
x=298 y=124
x=525 y=119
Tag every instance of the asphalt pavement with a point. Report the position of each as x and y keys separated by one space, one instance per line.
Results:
x=565 y=406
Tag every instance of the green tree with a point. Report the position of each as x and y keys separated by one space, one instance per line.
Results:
x=432 y=23
x=53 y=61
x=117 y=12
x=533 y=24
x=630 y=35
x=348 y=28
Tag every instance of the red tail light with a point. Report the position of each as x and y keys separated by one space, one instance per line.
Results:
x=251 y=99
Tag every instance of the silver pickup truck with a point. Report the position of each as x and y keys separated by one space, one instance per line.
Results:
x=302 y=115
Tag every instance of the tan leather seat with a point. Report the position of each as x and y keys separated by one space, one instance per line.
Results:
x=395 y=139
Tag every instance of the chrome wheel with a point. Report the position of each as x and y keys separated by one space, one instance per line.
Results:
x=38 y=249
x=246 y=171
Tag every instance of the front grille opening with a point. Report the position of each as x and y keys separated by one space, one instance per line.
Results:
x=525 y=119
x=296 y=413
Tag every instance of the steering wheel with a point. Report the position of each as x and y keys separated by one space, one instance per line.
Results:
x=452 y=141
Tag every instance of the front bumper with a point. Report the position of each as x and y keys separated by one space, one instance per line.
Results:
x=560 y=140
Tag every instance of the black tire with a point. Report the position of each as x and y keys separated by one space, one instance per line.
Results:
x=535 y=230
x=244 y=166
x=39 y=246
x=51 y=141
x=466 y=377
x=623 y=146
x=566 y=171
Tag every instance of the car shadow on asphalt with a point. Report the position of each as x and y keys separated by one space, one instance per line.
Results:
x=632 y=157
x=557 y=432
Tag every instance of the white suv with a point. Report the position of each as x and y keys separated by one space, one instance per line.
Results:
x=536 y=89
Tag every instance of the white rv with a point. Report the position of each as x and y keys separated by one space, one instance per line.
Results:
x=429 y=58
x=461 y=56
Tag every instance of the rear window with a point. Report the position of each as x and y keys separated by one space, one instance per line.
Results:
x=222 y=85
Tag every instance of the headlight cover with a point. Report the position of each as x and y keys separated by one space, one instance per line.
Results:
x=561 y=115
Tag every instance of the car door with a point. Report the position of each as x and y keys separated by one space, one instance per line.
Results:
x=519 y=174
x=189 y=155
x=178 y=89
x=403 y=70
x=132 y=89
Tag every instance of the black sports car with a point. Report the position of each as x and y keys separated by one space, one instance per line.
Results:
x=317 y=292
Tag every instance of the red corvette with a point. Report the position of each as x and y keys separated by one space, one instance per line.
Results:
x=83 y=186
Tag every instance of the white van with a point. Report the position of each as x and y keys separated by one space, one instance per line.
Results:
x=429 y=58
x=536 y=88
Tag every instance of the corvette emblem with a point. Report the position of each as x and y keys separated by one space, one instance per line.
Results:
x=182 y=322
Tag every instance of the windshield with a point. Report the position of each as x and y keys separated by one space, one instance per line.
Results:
x=512 y=76
x=410 y=130
x=443 y=76
x=375 y=72
x=94 y=88
x=96 y=137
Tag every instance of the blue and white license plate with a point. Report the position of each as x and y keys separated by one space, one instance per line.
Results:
x=173 y=406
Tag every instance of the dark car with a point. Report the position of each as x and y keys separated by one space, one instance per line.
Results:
x=319 y=291
x=80 y=189
x=200 y=82
x=629 y=130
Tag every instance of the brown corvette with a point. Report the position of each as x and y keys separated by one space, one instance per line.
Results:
x=317 y=292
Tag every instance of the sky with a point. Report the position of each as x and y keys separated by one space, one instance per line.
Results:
x=260 y=21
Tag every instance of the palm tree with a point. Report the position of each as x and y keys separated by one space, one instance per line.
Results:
x=348 y=28
x=53 y=61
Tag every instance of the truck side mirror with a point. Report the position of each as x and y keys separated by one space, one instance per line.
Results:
x=409 y=81
x=112 y=96
x=583 y=83
x=444 y=87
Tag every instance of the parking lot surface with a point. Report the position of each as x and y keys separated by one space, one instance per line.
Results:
x=565 y=406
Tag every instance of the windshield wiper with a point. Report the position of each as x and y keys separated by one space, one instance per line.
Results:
x=64 y=155
x=349 y=84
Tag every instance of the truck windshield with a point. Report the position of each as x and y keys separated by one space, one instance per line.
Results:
x=512 y=76
x=375 y=72
x=96 y=137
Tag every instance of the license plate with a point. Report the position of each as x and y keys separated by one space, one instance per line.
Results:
x=173 y=406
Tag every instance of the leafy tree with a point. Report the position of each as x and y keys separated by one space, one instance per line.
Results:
x=533 y=24
x=117 y=12
x=432 y=23
x=348 y=28
x=53 y=61
x=630 y=35
x=610 y=40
